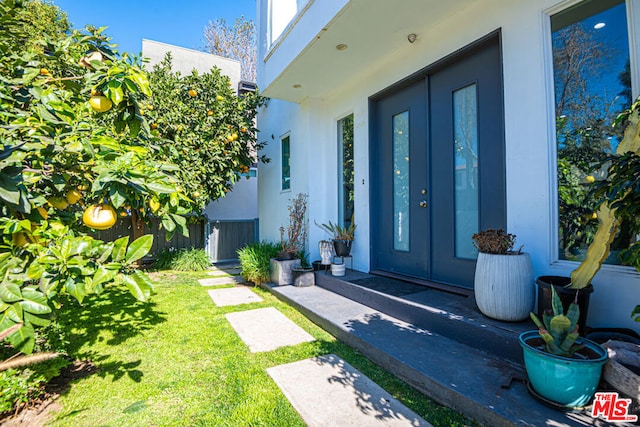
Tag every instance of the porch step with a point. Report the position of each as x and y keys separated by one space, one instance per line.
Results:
x=447 y=314
x=477 y=382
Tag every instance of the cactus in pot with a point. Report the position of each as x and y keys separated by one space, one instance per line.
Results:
x=558 y=330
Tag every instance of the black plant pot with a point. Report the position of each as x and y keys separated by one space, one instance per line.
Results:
x=319 y=266
x=342 y=247
x=286 y=255
x=567 y=295
x=303 y=276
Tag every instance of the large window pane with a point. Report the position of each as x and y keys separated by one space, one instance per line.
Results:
x=401 y=181
x=592 y=85
x=286 y=167
x=465 y=131
x=346 y=177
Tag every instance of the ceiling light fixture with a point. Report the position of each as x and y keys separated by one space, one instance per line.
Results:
x=412 y=37
x=599 y=25
x=341 y=47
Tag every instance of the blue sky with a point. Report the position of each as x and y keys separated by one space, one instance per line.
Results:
x=176 y=22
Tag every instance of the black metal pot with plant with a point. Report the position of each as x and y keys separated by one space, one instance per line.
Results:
x=342 y=237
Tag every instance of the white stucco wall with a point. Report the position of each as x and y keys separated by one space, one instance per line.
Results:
x=242 y=202
x=529 y=137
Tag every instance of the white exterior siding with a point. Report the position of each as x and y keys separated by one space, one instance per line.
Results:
x=528 y=123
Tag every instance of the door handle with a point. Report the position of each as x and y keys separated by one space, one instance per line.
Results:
x=423 y=204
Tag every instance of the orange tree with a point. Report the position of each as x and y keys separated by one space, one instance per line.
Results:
x=204 y=128
x=75 y=150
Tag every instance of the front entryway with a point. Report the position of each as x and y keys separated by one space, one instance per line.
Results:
x=437 y=167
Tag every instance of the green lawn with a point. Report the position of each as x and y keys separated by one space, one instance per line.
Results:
x=176 y=361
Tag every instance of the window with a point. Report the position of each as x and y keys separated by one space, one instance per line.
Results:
x=592 y=83
x=286 y=168
x=345 y=177
x=281 y=13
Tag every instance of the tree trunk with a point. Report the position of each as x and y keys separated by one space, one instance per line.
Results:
x=137 y=225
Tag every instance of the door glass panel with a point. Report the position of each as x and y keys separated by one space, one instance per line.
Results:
x=465 y=133
x=401 y=181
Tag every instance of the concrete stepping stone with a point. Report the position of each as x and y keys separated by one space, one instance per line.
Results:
x=219 y=281
x=225 y=271
x=266 y=329
x=233 y=296
x=327 y=391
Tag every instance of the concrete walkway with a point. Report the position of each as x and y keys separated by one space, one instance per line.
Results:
x=233 y=296
x=266 y=329
x=221 y=281
x=326 y=391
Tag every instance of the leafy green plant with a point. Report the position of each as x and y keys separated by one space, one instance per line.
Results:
x=204 y=128
x=190 y=259
x=22 y=378
x=254 y=260
x=72 y=137
x=338 y=232
x=559 y=331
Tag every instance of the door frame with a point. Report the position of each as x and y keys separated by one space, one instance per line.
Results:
x=374 y=179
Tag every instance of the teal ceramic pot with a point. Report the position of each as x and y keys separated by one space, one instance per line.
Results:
x=569 y=382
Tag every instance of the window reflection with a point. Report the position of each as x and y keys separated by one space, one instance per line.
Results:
x=592 y=85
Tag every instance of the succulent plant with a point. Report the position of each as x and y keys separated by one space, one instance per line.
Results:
x=559 y=331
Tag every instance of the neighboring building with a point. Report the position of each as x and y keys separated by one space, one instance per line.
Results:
x=233 y=220
x=425 y=121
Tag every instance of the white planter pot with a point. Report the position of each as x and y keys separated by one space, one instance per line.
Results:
x=337 y=269
x=504 y=286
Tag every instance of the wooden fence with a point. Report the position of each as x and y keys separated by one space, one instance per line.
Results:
x=124 y=228
x=220 y=239
x=224 y=238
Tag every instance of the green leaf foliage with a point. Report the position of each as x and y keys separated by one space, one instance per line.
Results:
x=202 y=126
x=254 y=260
x=139 y=248
x=59 y=157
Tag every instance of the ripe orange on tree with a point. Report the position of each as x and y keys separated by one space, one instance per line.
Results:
x=100 y=103
x=100 y=217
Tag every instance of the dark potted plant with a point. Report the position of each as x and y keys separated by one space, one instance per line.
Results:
x=562 y=367
x=342 y=237
x=303 y=275
x=618 y=196
x=503 y=283
x=293 y=244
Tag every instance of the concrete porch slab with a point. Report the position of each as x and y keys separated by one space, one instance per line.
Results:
x=219 y=281
x=233 y=296
x=266 y=329
x=327 y=391
x=477 y=383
